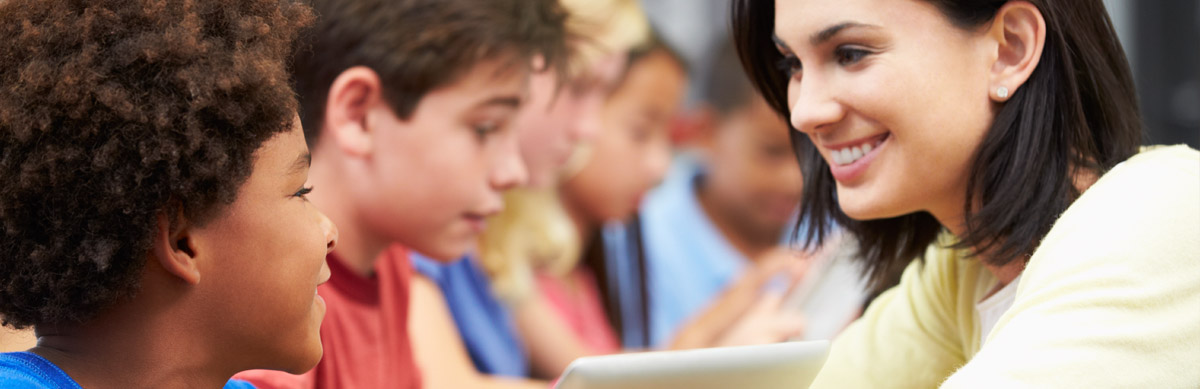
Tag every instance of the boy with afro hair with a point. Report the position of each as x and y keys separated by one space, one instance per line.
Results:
x=155 y=228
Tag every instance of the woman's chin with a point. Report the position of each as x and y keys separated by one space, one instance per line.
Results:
x=863 y=211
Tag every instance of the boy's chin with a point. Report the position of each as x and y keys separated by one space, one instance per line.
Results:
x=306 y=360
x=445 y=252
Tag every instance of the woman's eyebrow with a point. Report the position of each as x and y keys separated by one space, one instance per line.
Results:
x=826 y=34
x=832 y=31
x=779 y=42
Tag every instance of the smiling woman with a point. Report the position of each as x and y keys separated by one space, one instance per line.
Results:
x=989 y=131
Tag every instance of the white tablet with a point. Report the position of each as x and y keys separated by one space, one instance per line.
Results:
x=780 y=365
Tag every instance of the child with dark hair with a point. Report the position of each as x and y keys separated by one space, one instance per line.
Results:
x=155 y=227
x=581 y=302
x=722 y=216
x=407 y=105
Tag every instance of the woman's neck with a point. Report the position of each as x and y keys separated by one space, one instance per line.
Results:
x=951 y=216
x=1005 y=274
x=955 y=223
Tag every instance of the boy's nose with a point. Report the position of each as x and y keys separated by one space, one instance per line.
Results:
x=510 y=171
x=330 y=230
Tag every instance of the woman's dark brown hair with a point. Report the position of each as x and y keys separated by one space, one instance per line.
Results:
x=114 y=112
x=1077 y=113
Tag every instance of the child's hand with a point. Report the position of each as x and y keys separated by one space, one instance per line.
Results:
x=749 y=310
x=765 y=322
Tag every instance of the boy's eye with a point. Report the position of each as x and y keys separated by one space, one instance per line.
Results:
x=483 y=130
x=776 y=151
x=789 y=65
x=303 y=192
x=848 y=55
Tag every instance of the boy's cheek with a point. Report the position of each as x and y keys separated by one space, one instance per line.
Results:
x=447 y=243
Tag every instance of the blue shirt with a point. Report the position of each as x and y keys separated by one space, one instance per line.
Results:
x=688 y=261
x=25 y=370
x=484 y=323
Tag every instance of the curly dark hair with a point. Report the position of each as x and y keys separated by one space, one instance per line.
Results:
x=113 y=112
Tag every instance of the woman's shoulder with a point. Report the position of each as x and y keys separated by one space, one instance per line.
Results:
x=1142 y=216
x=1159 y=184
x=1123 y=254
x=1167 y=164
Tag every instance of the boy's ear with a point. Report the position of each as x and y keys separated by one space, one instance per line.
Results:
x=174 y=249
x=1019 y=32
x=351 y=97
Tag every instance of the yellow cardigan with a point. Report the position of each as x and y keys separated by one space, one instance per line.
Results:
x=1110 y=299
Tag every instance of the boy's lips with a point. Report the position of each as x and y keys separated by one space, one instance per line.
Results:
x=326 y=274
x=477 y=220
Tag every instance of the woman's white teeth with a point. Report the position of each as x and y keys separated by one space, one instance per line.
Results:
x=848 y=155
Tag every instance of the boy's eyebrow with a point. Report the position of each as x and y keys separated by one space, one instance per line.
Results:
x=504 y=101
x=302 y=162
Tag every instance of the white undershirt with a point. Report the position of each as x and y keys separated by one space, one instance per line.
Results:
x=992 y=307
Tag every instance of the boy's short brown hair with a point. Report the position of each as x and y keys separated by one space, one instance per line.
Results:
x=416 y=46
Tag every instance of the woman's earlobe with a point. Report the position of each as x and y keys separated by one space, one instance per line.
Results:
x=1001 y=94
x=1019 y=30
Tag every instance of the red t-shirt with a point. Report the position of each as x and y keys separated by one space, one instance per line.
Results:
x=364 y=333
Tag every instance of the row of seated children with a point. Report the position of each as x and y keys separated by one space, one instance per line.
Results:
x=541 y=291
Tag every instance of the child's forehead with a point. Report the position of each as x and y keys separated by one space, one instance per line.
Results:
x=495 y=71
x=496 y=81
x=754 y=118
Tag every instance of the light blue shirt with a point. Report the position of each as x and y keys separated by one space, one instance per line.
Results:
x=688 y=261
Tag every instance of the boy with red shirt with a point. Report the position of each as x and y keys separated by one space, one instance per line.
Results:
x=406 y=105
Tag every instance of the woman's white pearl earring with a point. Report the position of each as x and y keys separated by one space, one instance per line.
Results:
x=1002 y=92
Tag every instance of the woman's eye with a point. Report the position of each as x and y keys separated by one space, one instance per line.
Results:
x=303 y=192
x=789 y=65
x=849 y=55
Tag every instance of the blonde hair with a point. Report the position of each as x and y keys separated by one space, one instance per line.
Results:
x=604 y=27
x=534 y=232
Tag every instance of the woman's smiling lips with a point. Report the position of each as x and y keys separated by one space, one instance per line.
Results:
x=849 y=160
